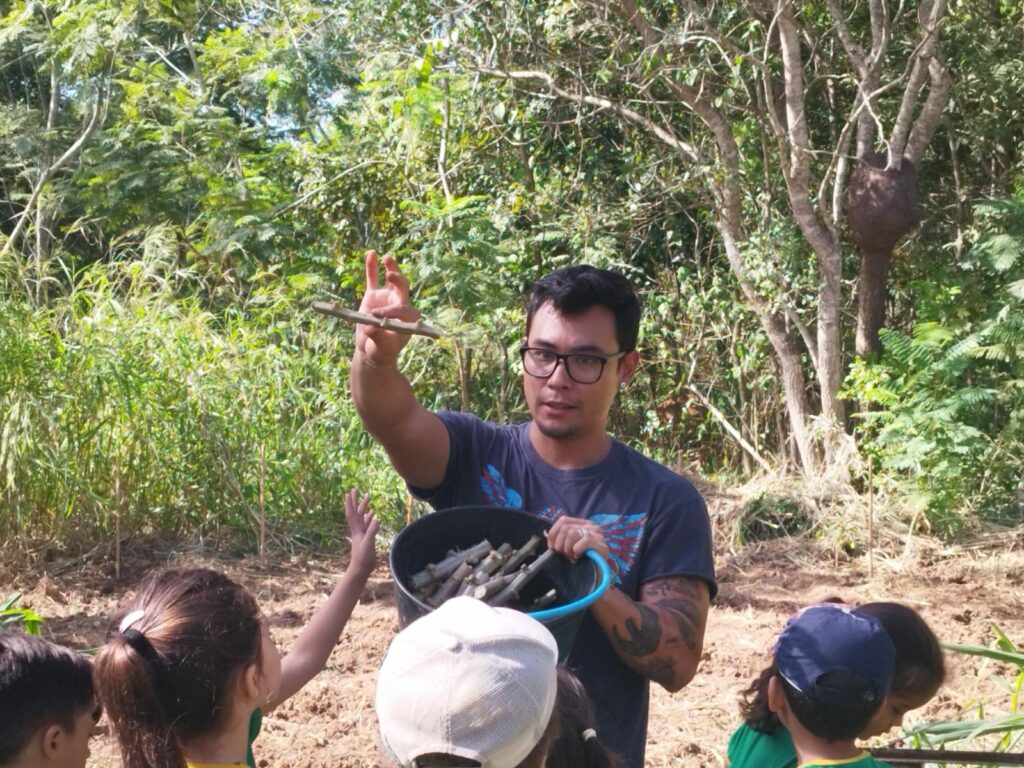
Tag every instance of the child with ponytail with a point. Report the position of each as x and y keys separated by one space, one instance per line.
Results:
x=189 y=671
x=578 y=744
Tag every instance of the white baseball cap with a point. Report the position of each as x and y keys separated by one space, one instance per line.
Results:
x=467 y=680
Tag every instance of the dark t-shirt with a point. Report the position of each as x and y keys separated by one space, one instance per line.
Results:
x=654 y=522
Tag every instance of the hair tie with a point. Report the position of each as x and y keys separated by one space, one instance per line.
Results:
x=130 y=619
x=157 y=668
x=589 y=734
x=141 y=644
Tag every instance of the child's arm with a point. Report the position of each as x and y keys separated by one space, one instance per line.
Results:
x=312 y=648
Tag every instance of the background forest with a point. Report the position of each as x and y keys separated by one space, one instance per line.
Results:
x=822 y=203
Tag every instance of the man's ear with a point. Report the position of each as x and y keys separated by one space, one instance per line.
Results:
x=628 y=365
x=52 y=740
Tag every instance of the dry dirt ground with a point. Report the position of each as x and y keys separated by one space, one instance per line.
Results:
x=960 y=591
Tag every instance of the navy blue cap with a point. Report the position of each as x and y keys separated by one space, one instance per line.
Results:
x=834 y=638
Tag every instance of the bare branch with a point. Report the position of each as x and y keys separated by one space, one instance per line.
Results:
x=736 y=435
x=98 y=114
x=879 y=28
x=632 y=115
x=805 y=334
x=931 y=13
x=852 y=47
x=651 y=37
x=931 y=113
x=798 y=175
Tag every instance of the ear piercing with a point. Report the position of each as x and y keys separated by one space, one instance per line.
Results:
x=622 y=385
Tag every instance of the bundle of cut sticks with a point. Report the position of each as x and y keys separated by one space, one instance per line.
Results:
x=496 y=576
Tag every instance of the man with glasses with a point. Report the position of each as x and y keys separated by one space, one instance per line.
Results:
x=580 y=349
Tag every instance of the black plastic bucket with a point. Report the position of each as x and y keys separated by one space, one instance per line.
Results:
x=428 y=540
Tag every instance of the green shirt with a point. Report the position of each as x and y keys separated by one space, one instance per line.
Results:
x=255 y=723
x=752 y=749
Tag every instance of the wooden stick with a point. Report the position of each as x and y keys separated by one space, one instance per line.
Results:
x=522 y=579
x=521 y=556
x=492 y=587
x=117 y=520
x=491 y=564
x=922 y=756
x=451 y=586
x=350 y=316
x=435 y=572
x=544 y=600
x=263 y=504
x=871 y=517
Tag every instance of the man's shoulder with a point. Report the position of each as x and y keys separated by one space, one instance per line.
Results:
x=656 y=472
x=470 y=421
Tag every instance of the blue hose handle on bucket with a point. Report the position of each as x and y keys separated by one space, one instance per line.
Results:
x=564 y=610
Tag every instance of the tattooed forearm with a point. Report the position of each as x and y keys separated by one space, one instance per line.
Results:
x=661 y=634
x=684 y=602
x=644 y=639
x=685 y=616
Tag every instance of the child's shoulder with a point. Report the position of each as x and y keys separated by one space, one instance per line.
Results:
x=749 y=748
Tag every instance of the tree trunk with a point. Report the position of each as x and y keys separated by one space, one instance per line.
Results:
x=871 y=295
x=787 y=353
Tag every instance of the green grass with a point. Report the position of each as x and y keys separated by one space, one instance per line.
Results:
x=128 y=398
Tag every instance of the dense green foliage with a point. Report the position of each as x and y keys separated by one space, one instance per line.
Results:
x=949 y=398
x=178 y=181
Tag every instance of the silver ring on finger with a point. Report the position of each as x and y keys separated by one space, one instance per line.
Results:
x=582 y=532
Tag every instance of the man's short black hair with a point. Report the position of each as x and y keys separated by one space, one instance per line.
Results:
x=574 y=290
x=40 y=684
x=838 y=709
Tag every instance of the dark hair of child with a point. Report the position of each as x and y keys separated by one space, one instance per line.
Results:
x=41 y=683
x=851 y=703
x=167 y=677
x=919 y=668
x=578 y=745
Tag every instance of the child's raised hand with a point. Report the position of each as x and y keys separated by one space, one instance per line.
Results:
x=362 y=531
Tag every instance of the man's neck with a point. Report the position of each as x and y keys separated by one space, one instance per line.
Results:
x=571 y=452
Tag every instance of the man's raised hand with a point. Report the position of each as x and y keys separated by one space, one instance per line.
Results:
x=380 y=346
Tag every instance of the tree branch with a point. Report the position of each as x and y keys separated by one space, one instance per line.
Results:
x=718 y=416
x=667 y=136
x=931 y=13
x=95 y=119
x=931 y=113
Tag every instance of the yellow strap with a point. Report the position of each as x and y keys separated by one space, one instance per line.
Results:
x=844 y=761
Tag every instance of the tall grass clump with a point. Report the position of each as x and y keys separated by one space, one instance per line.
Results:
x=128 y=404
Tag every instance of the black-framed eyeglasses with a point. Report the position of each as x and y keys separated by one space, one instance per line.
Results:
x=582 y=367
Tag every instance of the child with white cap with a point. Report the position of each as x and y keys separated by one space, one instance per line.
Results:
x=469 y=685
